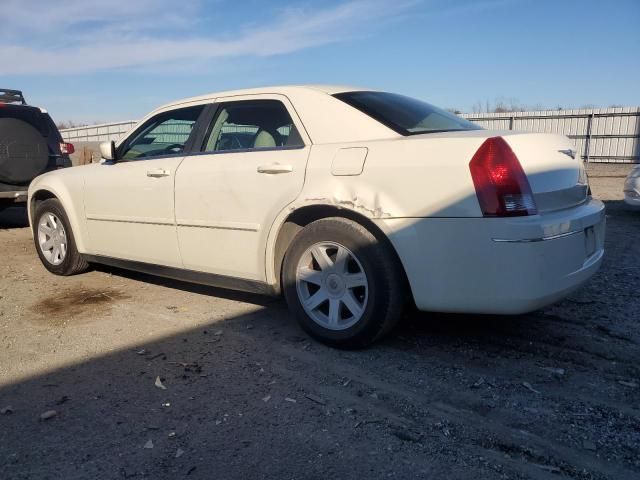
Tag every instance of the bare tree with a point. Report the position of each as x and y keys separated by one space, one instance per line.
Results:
x=504 y=105
x=69 y=124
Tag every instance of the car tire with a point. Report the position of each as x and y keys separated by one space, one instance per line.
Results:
x=360 y=277
x=51 y=230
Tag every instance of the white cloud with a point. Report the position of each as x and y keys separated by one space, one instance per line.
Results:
x=25 y=18
x=76 y=36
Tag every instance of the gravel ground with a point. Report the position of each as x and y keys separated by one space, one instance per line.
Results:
x=553 y=394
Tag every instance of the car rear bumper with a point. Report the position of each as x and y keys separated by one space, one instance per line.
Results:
x=499 y=265
x=14 y=196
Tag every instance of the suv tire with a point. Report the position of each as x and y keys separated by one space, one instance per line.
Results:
x=24 y=153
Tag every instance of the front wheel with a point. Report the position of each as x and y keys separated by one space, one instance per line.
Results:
x=54 y=239
x=342 y=283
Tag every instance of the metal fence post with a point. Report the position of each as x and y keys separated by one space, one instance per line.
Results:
x=511 y=122
x=588 y=139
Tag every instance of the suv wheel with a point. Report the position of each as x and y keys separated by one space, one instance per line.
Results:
x=342 y=283
x=54 y=240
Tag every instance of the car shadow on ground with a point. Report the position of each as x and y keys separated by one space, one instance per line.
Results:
x=252 y=397
x=620 y=208
x=232 y=393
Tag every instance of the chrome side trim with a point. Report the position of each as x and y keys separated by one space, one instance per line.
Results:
x=119 y=219
x=245 y=227
x=540 y=239
x=241 y=226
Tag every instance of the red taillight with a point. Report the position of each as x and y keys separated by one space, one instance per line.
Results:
x=501 y=185
x=67 y=148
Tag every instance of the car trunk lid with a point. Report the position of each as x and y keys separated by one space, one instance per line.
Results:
x=557 y=178
x=556 y=175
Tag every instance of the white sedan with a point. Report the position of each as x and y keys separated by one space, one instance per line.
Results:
x=632 y=188
x=350 y=202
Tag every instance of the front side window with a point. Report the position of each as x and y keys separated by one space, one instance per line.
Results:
x=249 y=125
x=405 y=115
x=165 y=134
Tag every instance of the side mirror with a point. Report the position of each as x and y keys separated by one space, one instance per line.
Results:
x=108 y=150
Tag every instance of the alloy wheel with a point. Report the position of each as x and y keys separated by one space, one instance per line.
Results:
x=52 y=238
x=332 y=285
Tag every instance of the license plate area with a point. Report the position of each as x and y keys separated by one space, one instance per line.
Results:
x=590 y=241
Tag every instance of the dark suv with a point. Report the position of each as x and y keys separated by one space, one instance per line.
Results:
x=30 y=144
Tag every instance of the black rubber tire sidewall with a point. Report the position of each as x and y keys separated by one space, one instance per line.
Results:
x=70 y=265
x=24 y=153
x=384 y=297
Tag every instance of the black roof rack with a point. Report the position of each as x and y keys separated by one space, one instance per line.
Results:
x=11 y=96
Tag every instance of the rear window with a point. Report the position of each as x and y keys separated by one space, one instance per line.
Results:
x=405 y=115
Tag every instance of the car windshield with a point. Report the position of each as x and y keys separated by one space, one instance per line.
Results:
x=405 y=115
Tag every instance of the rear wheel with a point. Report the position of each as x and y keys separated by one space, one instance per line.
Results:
x=342 y=283
x=54 y=239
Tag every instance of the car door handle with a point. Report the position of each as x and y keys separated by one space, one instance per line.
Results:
x=275 y=168
x=157 y=173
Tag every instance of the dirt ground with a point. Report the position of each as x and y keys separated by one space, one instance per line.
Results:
x=553 y=394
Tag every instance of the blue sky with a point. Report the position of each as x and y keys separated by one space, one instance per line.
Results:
x=117 y=59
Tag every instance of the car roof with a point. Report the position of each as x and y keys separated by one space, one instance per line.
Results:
x=277 y=89
x=324 y=118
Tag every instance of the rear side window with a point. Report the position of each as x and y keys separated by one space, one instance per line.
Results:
x=251 y=125
x=405 y=115
x=165 y=134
